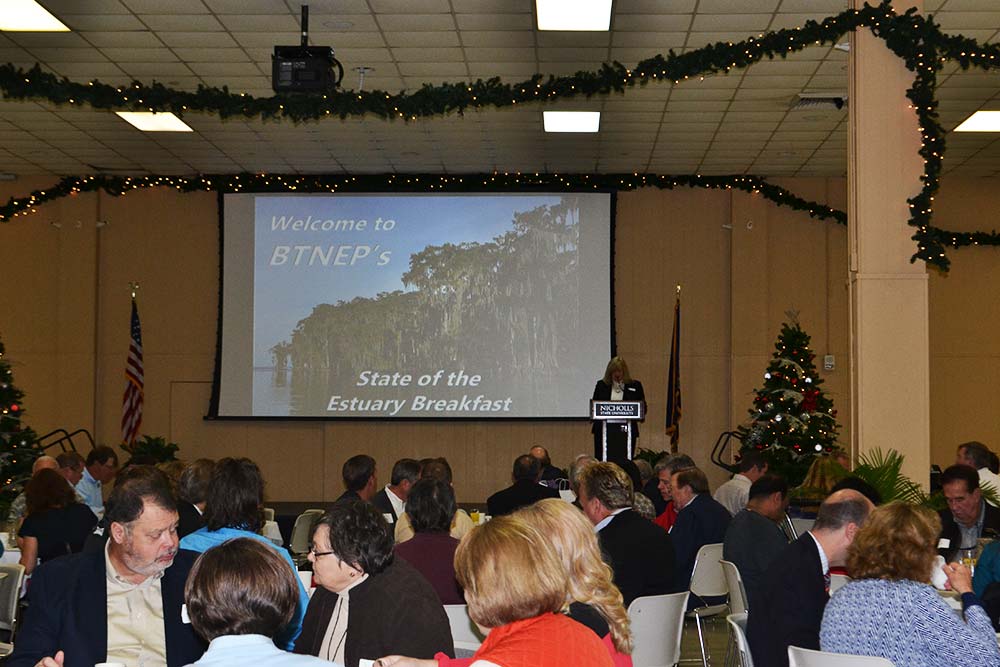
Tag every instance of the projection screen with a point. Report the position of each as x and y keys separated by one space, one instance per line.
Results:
x=478 y=306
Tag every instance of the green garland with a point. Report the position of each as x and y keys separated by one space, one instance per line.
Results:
x=914 y=38
x=119 y=185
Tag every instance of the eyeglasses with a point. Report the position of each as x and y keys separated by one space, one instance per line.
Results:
x=317 y=554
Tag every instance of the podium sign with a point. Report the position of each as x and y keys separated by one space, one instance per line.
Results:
x=617 y=410
x=620 y=414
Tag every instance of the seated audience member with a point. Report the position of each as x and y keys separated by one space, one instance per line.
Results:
x=391 y=499
x=192 y=494
x=976 y=455
x=239 y=596
x=360 y=479
x=733 y=494
x=367 y=603
x=700 y=521
x=525 y=489
x=580 y=461
x=18 y=507
x=431 y=550
x=641 y=555
x=100 y=469
x=461 y=523
x=753 y=539
x=649 y=486
x=121 y=604
x=861 y=486
x=968 y=517
x=550 y=473
x=234 y=508
x=56 y=524
x=664 y=469
x=890 y=610
x=643 y=506
x=593 y=600
x=796 y=586
x=71 y=467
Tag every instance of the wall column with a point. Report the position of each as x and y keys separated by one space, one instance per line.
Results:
x=890 y=378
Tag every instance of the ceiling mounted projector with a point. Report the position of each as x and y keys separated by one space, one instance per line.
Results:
x=304 y=68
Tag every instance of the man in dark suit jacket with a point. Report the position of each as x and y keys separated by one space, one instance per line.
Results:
x=968 y=516
x=405 y=473
x=524 y=491
x=71 y=610
x=796 y=585
x=639 y=552
x=360 y=479
x=700 y=521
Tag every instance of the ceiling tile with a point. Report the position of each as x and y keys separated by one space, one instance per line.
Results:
x=182 y=22
x=259 y=22
x=494 y=21
x=205 y=40
x=421 y=39
x=171 y=7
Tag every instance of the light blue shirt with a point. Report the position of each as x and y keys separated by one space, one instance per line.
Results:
x=204 y=539
x=90 y=490
x=242 y=650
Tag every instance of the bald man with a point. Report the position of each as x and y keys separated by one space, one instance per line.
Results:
x=796 y=586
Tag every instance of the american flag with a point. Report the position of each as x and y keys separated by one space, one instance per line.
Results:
x=132 y=400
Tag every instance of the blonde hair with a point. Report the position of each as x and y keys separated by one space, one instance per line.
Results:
x=897 y=541
x=616 y=364
x=510 y=572
x=590 y=578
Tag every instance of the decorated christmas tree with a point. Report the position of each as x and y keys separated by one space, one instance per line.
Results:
x=791 y=417
x=16 y=453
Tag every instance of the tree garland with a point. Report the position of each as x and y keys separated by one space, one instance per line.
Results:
x=914 y=38
x=119 y=185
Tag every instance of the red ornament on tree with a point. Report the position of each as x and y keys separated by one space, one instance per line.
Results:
x=809 y=400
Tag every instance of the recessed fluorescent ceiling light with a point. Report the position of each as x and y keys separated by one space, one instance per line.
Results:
x=147 y=121
x=981 y=121
x=573 y=14
x=571 y=121
x=28 y=16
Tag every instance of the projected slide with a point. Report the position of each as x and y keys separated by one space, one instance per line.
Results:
x=414 y=306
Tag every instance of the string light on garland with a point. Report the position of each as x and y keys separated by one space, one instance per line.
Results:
x=914 y=38
x=495 y=181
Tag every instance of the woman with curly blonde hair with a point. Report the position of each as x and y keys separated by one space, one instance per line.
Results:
x=516 y=583
x=592 y=597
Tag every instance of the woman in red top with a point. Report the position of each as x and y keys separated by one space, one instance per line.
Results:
x=516 y=586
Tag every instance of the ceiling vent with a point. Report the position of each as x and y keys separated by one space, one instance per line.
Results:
x=820 y=102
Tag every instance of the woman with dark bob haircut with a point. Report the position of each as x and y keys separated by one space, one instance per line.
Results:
x=431 y=550
x=367 y=603
x=56 y=524
x=234 y=507
x=239 y=595
x=890 y=610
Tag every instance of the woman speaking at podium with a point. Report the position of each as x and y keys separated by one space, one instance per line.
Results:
x=616 y=385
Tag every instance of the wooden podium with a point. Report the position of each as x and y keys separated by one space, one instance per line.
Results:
x=620 y=414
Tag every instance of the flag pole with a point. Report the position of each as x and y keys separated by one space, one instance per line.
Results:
x=673 y=415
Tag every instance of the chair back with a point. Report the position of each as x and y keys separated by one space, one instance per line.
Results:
x=737 y=592
x=10 y=593
x=738 y=631
x=302 y=531
x=657 y=622
x=268 y=514
x=707 y=579
x=801 y=525
x=838 y=581
x=464 y=632
x=804 y=657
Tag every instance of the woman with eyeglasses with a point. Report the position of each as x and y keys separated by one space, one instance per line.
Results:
x=367 y=603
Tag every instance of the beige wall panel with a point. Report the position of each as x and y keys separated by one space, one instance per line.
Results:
x=289 y=455
x=750 y=220
x=964 y=389
x=199 y=438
